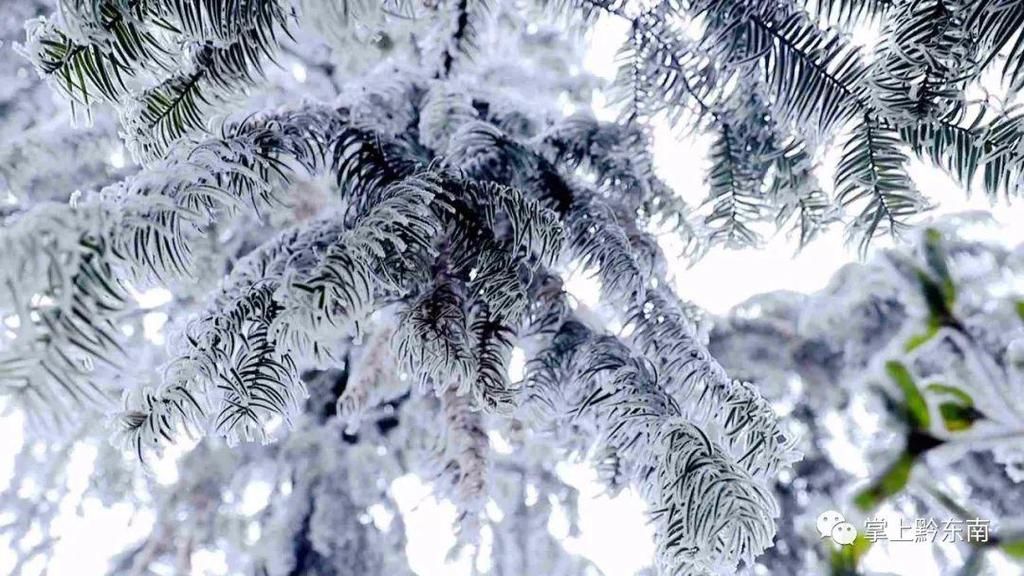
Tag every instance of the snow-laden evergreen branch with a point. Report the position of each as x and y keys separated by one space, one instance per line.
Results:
x=697 y=380
x=466 y=453
x=61 y=288
x=71 y=281
x=686 y=61
x=618 y=155
x=872 y=175
x=372 y=381
x=109 y=48
x=641 y=425
x=275 y=309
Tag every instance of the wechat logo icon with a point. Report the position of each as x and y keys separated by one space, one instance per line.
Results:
x=832 y=524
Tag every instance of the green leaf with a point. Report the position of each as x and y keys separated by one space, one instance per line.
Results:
x=939 y=310
x=1014 y=547
x=913 y=402
x=935 y=257
x=843 y=560
x=936 y=281
x=964 y=398
x=958 y=414
x=892 y=481
x=1020 y=309
x=958 y=417
x=918 y=340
